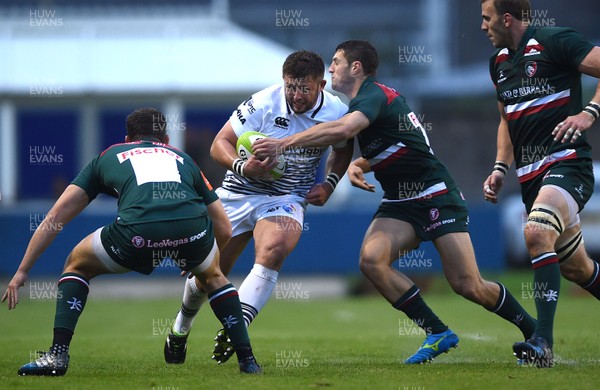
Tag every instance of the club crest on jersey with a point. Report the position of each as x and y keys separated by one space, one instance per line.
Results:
x=434 y=214
x=530 y=68
x=138 y=241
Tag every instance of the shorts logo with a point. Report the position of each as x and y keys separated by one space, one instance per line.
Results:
x=138 y=241
x=579 y=190
x=115 y=250
x=549 y=175
x=289 y=208
x=434 y=214
x=530 y=68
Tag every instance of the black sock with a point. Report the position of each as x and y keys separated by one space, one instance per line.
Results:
x=413 y=305
x=243 y=351
x=61 y=340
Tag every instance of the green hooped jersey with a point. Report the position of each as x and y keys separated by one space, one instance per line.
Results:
x=153 y=182
x=397 y=147
x=540 y=86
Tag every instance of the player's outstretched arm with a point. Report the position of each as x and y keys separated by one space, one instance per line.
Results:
x=335 y=168
x=323 y=134
x=72 y=201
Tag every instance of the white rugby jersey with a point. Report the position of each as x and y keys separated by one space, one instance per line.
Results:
x=268 y=112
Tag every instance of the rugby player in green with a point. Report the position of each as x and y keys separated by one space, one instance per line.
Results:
x=537 y=74
x=193 y=224
x=421 y=200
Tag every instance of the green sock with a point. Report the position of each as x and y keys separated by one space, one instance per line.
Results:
x=508 y=308
x=72 y=294
x=225 y=303
x=592 y=285
x=546 y=286
x=413 y=305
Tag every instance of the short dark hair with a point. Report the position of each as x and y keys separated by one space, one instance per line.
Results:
x=304 y=64
x=363 y=52
x=146 y=122
x=519 y=9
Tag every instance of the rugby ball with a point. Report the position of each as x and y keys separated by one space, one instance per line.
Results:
x=244 y=150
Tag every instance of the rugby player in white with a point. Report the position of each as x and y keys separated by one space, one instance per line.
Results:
x=271 y=211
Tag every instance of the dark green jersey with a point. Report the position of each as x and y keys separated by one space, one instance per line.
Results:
x=396 y=146
x=153 y=182
x=540 y=85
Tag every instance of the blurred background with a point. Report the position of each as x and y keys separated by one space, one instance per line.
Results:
x=71 y=71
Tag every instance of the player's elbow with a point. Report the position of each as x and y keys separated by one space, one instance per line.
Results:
x=214 y=150
x=343 y=133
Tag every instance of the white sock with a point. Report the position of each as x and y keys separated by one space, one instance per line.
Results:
x=193 y=298
x=256 y=290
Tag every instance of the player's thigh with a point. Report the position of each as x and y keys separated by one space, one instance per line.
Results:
x=458 y=258
x=84 y=261
x=233 y=250
x=386 y=240
x=274 y=240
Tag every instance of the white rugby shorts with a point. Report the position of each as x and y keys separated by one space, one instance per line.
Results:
x=244 y=211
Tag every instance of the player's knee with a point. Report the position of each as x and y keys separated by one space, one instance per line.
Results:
x=468 y=289
x=272 y=256
x=78 y=263
x=544 y=225
x=370 y=265
x=211 y=279
x=538 y=239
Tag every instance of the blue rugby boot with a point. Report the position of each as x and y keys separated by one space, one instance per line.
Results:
x=250 y=366
x=434 y=345
x=48 y=364
x=535 y=351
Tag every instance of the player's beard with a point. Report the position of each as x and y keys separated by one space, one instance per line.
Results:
x=303 y=107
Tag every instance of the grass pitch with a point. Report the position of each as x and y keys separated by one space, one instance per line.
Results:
x=304 y=343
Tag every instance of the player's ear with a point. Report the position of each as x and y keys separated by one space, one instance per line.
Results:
x=127 y=139
x=166 y=139
x=507 y=20
x=322 y=84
